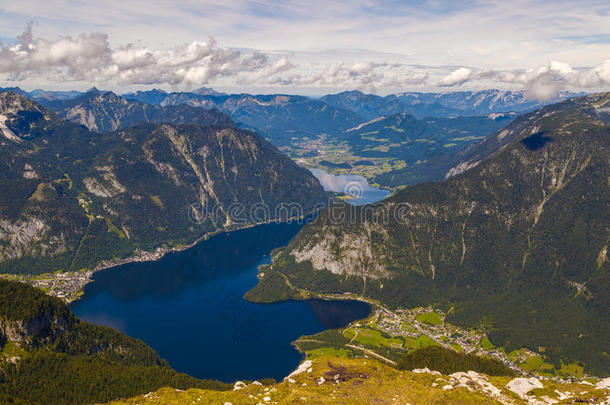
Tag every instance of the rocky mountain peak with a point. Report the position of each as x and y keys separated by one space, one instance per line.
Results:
x=18 y=116
x=11 y=103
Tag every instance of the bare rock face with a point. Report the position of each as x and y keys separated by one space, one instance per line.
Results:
x=15 y=123
x=32 y=333
x=521 y=386
x=351 y=255
x=19 y=236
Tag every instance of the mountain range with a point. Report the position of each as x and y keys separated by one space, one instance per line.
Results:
x=441 y=105
x=281 y=117
x=105 y=112
x=71 y=199
x=417 y=149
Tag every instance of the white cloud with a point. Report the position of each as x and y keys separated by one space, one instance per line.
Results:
x=542 y=83
x=89 y=57
x=475 y=34
x=361 y=75
x=546 y=81
x=92 y=59
x=456 y=78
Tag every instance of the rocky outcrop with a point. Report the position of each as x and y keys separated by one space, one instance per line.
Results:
x=17 y=237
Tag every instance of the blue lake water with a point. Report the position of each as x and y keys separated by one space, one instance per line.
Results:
x=351 y=184
x=188 y=306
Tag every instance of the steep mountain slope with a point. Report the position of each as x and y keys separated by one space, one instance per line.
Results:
x=105 y=112
x=279 y=117
x=49 y=356
x=71 y=199
x=422 y=105
x=517 y=244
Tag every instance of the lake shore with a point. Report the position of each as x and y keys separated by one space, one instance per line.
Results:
x=69 y=286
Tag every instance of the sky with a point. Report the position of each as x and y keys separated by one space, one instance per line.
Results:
x=307 y=47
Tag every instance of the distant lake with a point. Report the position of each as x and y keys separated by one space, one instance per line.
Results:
x=188 y=306
x=353 y=184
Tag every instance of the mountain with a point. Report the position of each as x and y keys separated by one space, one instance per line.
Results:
x=207 y=91
x=16 y=90
x=420 y=150
x=369 y=106
x=45 y=95
x=517 y=244
x=154 y=96
x=422 y=105
x=71 y=199
x=105 y=111
x=49 y=356
x=280 y=118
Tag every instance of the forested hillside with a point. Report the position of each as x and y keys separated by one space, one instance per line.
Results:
x=517 y=244
x=48 y=356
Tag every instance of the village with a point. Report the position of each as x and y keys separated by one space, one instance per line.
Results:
x=406 y=329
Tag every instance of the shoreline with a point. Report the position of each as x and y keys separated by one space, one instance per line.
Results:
x=69 y=286
x=377 y=307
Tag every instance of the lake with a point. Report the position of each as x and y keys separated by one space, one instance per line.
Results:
x=188 y=306
x=354 y=185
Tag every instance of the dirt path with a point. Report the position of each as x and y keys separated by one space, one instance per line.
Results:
x=372 y=353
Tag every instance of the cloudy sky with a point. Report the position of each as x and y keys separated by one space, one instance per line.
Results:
x=307 y=47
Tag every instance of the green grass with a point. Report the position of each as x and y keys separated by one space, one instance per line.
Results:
x=409 y=328
x=419 y=343
x=533 y=363
x=571 y=370
x=430 y=318
x=378 y=385
x=486 y=344
x=372 y=337
x=537 y=364
x=456 y=347
x=328 y=351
